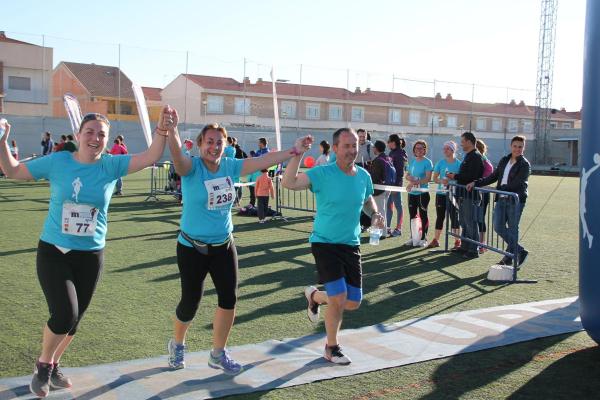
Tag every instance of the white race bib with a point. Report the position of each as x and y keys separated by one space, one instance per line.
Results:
x=221 y=193
x=79 y=219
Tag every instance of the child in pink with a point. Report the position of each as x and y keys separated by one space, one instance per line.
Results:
x=263 y=189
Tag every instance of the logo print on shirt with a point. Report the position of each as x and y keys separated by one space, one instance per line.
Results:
x=582 y=199
x=77 y=185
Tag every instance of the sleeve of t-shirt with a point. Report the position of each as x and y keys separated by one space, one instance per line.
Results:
x=117 y=166
x=41 y=167
x=315 y=175
x=438 y=167
x=236 y=167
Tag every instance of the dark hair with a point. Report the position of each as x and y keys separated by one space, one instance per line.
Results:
x=92 y=117
x=47 y=134
x=63 y=137
x=234 y=139
x=121 y=138
x=229 y=140
x=263 y=140
x=211 y=127
x=518 y=138
x=116 y=141
x=369 y=136
x=380 y=146
x=361 y=130
x=470 y=137
x=395 y=139
x=326 y=146
x=264 y=170
x=424 y=143
x=71 y=138
x=336 y=134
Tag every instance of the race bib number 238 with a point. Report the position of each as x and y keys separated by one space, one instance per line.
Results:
x=221 y=193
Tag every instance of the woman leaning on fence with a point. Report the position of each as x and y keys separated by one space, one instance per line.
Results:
x=205 y=244
x=70 y=252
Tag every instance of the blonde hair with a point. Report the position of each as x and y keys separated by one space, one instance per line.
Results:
x=211 y=127
x=481 y=146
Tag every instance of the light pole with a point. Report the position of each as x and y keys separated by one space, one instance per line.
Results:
x=205 y=104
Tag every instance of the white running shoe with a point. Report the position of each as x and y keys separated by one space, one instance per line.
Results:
x=313 y=308
x=334 y=354
x=423 y=243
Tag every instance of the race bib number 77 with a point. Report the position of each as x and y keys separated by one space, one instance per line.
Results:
x=79 y=219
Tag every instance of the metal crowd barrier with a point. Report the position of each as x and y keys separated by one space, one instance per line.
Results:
x=472 y=205
x=298 y=200
x=164 y=181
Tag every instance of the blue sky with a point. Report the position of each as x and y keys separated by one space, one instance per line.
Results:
x=339 y=43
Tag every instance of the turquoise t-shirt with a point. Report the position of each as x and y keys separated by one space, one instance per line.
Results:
x=229 y=152
x=340 y=200
x=83 y=189
x=442 y=167
x=207 y=217
x=419 y=169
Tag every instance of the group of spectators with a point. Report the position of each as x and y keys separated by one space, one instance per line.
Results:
x=466 y=208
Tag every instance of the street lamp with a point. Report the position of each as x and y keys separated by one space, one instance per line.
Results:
x=205 y=104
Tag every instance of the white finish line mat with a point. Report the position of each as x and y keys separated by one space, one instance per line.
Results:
x=282 y=363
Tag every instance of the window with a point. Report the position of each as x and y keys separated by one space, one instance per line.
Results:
x=335 y=112
x=434 y=120
x=513 y=125
x=215 y=104
x=553 y=125
x=288 y=109
x=395 y=116
x=358 y=114
x=313 y=111
x=566 y=125
x=414 y=118
x=481 y=124
x=19 y=83
x=497 y=125
x=242 y=106
x=451 y=121
x=527 y=126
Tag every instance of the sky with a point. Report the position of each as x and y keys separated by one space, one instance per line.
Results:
x=413 y=47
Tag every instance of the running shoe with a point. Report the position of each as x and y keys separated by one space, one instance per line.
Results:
x=506 y=260
x=225 y=362
x=334 y=354
x=176 y=355
x=422 y=243
x=40 y=383
x=58 y=380
x=313 y=308
x=434 y=243
x=396 y=232
x=523 y=256
x=457 y=244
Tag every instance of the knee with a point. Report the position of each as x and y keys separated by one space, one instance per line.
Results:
x=186 y=310
x=227 y=301
x=63 y=322
x=352 y=305
x=338 y=301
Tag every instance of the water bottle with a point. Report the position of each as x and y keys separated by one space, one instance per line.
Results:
x=374 y=235
x=2 y=127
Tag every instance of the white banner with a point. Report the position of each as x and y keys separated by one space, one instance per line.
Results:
x=276 y=111
x=73 y=111
x=142 y=112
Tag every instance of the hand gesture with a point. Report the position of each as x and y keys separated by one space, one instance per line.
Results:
x=303 y=144
x=450 y=175
x=377 y=220
x=4 y=126
x=168 y=119
x=470 y=186
x=409 y=187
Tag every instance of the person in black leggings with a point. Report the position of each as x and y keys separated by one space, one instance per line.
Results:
x=419 y=174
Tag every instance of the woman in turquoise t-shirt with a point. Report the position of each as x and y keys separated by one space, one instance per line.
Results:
x=71 y=248
x=447 y=164
x=418 y=176
x=205 y=244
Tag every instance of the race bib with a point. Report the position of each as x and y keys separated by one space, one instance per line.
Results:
x=221 y=193
x=79 y=219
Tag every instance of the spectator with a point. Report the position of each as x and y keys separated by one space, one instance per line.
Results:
x=324 y=157
x=399 y=159
x=48 y=144
x=382 y=173
x=264 y=188
x=70 y=144
x=118 y=149
x=418 y=176
x=263 y=147
x=363 y=158
x=488 y=168
x=447 y=164
x=229 y=150
x=14 y=150
x=511 y=175
x=471 y=169
x=122 y=139
x=188 y=145
x=239 y=153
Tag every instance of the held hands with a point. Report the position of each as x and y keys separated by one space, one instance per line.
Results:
x=450 y=175
x=4 y=126
x=377 y=220
x=470 y=186
x=168 y=119
x=302 y=145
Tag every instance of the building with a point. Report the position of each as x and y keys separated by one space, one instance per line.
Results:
x=99 y=88
x=153 y=102
x=25 y=73
x=204 y=99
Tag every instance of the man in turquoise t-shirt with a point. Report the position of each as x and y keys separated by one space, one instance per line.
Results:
x=342 y=190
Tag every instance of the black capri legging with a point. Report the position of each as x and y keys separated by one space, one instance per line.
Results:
x=220 y=263
x=68 y=281
x=484 y=205
x=419 y=203
x=440 y=210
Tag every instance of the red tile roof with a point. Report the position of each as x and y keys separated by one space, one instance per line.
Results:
x=5 y=39
x=101 y=80
x=152 y=93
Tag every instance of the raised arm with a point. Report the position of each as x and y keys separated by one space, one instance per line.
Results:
x=291 y=178
x=273 y=158
x=12 y=168
x=167 y=123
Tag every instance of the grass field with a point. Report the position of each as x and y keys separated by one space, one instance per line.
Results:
x=130 y=316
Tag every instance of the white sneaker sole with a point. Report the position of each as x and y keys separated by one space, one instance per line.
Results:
x=311 y=316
